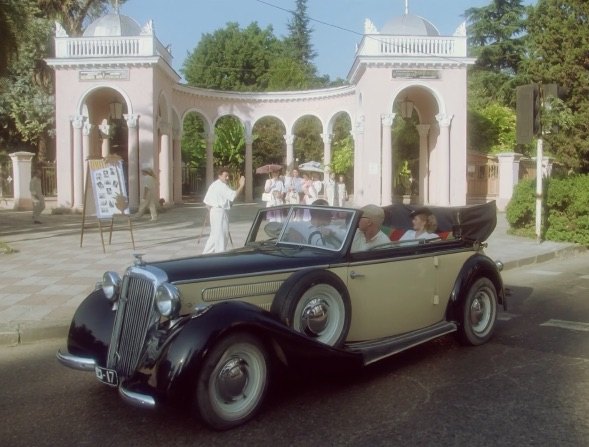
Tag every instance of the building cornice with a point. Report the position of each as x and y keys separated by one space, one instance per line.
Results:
x=290 y=96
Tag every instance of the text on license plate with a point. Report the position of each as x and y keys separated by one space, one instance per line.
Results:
x=107 y=376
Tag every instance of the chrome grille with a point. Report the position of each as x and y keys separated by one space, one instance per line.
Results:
x=135 y=314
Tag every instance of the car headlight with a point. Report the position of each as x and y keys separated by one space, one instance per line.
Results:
x=111 y=285
x=167 y=299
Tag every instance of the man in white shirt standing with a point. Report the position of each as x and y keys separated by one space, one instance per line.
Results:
x=218 y=200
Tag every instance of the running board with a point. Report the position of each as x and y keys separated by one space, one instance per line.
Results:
x=375 y=350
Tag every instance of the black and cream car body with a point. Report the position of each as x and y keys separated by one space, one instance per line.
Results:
x=208 y=330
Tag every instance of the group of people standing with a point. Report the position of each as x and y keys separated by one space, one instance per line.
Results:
x=292 y=189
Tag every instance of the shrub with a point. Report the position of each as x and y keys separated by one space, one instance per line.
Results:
x=565 y=208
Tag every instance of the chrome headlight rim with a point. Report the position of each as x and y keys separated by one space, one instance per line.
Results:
x=111 y=285
x=167 y=300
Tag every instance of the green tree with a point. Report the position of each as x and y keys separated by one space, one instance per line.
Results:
x=193 y=145
x=233 y=59
x=558 y=38
x=298 y=41
x=13 y=17
x=497 y=39
x=229 y=146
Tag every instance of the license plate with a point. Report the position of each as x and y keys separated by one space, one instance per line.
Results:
x=108 y=376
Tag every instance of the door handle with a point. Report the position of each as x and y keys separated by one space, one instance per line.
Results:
x=355 y=275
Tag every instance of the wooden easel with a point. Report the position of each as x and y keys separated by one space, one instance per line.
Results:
x=110 y=198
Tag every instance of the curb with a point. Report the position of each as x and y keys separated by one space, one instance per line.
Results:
x=562 y=253
x=33 y=332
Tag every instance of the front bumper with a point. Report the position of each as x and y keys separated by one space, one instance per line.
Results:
x=86 y=364
x=75 y=362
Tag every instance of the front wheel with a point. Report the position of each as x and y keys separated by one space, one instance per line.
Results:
x=233 y=381
x=479 y=313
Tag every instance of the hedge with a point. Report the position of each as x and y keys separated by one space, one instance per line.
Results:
x=565 y=209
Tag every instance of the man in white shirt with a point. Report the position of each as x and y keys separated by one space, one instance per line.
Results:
x=368 y=234
x=218 y=200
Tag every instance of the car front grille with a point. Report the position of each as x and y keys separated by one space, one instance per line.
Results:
x=136 y=313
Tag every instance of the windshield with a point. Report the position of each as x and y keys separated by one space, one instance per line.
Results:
x=313 y=226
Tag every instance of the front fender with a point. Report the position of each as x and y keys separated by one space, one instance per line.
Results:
x=477 y=266
x=174 y=374
x=91 y=328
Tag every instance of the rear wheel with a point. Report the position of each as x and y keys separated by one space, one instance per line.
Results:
x=479 y=313
x=233 y=381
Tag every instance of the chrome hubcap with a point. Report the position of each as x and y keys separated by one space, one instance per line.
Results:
x=476 y=312
x=232 y=379
x=315 y=317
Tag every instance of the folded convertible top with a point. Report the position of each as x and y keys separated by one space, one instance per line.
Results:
x=472 y=222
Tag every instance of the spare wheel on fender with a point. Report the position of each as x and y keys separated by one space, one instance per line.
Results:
x=315 y=303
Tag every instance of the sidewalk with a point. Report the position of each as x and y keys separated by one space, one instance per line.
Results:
x=42 y=284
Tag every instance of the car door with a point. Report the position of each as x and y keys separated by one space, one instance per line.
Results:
x=392 y=291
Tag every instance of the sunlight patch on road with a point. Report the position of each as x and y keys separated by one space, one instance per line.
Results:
x=572 y=325
x=544 y=272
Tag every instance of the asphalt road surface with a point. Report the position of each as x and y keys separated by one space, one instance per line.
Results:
x=528 y=386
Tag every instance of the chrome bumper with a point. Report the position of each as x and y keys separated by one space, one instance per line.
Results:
x=75 y=362
x=136 y=399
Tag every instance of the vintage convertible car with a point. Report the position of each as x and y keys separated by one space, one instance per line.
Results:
x=207 y=330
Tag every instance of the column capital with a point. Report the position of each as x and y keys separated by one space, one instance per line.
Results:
x=289 y=138
x=444 y=119
x=132 y=120
x=359 y=124
x=387 y=119
x=87 y=128
x=104 y=128
x=164 y=126
x=77 y=121
x=423 y=129
x=327 y=137
x=210 y=137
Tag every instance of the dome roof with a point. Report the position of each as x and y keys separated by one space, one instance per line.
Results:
x=409 y=25
x=113 y=25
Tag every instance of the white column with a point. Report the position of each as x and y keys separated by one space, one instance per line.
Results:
x=358 y=135
x=86 y=145
x=177 y=166
x=105 y=134
x=443 y=160
x=387 y=159
x=133 y=160
x=21 y=173
x=327 y=138
x=289 y=138
x=423 y=130
x=165 y=162
x=508 y=177
x=78 y=164
x=249 y=181
x=210 y=158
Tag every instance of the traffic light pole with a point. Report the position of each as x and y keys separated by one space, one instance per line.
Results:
x=539 y=189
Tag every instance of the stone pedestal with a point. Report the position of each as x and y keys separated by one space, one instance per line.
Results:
x=21 y=166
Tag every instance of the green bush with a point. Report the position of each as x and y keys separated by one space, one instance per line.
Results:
x=565 y=209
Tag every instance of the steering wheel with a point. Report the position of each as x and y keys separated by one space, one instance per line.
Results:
x=313 y=234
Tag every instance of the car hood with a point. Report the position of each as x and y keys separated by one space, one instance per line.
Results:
x=244 y=261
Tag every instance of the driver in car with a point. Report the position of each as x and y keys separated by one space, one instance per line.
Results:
x=317 y=231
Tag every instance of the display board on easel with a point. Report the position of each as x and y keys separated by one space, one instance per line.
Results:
x=105 y=178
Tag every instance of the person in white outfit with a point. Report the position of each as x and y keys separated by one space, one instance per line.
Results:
x=150 y=192
x=424 y=225
x=218 y=201
x=342 y=193
x=275 y=187
x=329 y=186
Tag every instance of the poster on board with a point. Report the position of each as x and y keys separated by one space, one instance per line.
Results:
x=107 y=178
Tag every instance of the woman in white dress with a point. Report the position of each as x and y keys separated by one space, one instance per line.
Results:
x=329 y=186
x=342 y=193
x=275 y=187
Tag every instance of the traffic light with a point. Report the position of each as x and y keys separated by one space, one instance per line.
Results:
x=528 y=105
x=537 y=109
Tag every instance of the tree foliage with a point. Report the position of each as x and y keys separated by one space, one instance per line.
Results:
x=233 y=59
x=558 y=38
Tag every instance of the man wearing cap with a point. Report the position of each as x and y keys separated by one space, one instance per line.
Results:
x=424 y=225
x=368 y=234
